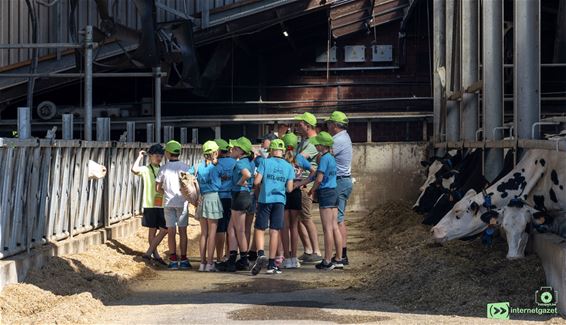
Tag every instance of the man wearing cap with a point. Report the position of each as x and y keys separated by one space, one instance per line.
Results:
x=306 y=127
x=342 y=149
x=168 y=184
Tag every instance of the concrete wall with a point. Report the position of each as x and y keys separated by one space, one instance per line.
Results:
x=386 y=171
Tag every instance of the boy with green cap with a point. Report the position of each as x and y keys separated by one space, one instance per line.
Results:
x=176 y=215
x=325 y=189
x=275 y=178
x=306 y=127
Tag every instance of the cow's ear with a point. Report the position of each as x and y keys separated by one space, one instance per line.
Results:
x=425 y=163
x=487 y=216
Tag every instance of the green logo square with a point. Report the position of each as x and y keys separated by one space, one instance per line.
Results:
x=498 y=310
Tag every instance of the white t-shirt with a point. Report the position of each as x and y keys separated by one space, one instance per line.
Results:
x=169 y=179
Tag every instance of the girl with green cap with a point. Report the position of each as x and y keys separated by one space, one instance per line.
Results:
x=210 y=207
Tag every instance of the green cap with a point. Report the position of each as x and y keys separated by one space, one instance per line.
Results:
x=307 y=117
x=243 y=143
x=222 y=144
x=209 y=147
x=338 y=117
x=277 y=144
x=323 y=139
x=173 y=147
x=290 y=140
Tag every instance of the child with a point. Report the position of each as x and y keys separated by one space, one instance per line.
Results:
x=325 y=189
x=241 y=201
x=275 y=176
x=225 y=166
x=210 y=207
x=293 y=206
x=250 y=213
x=152 y=201
x=168 y=184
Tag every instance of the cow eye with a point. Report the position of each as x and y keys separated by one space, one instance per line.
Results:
x=458 y=217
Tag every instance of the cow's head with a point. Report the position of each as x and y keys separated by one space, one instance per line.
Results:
x=95 y=170
x=514 y=221
x=439 y=180
x=462 y=220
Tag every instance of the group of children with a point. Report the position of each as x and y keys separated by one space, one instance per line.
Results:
x=236 y=184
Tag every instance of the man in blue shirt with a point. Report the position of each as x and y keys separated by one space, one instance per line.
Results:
x=225 y=166
x=342 y=150
x=275 y=178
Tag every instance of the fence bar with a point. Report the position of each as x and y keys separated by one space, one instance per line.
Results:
x=88 y=84
x=150 y=132
x=67 y=126
x=183 y=137
x=24 y=123
x=157 y=103
x=131 y=131
x=439 y=60
x=40 y=46
x=195 y=136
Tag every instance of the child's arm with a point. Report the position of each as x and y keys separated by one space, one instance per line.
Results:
x=159 y=188
x=136 y=167
x=245 y=176
x=317 y=182
x=290 y=186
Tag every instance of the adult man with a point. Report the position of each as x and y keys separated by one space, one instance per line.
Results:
x=342 y=149
x=308 y=232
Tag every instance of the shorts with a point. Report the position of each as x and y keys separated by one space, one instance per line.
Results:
x=241 y=201
x=327 y=198
x=223 y=223
x=176 y=217
x=270 y=215
x=153 y=218
x=306 y=204
x=343 y=189
x=253 y=207
x=210 y=207
x=294 y=200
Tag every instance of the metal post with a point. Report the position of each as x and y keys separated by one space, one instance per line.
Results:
x=452 y=72
x=217 y=132
x=149 y=133
x=492 y=83
x=88 y=84
x=131 y=129
x=439 y=60
x=67 y=126
x=369 y=132
x=205 y=14
x=157 y=103
x=24 y=123
x=195 y=136
x=103 y=129
x=183 y=137
x=168 y=133
x=526 y=70
x=469 y=50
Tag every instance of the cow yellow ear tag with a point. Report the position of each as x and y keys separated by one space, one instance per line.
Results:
x=493 y=221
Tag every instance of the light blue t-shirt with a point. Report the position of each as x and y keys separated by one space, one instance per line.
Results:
x=208 y=178
x=252 y=168
x=226 y=167
x=327 y=166
x=276 y=172
x=240 y=165
x=301 y=165
x=342 y=150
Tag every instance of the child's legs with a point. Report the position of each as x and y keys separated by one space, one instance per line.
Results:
x=285 y=233
x=182 y=223
x=273 y=242
x=232 y=240
x=294 y=231
x=151 y=234
x=248 y=225
x=171 y=240
x=305 y=240
x=275 y=225
x=156 y=241
x=326 y=217
x=337 y=234
x=212 y=225
x=183 y=240
x=203 y=239
x=239 y=219
x=220 y=239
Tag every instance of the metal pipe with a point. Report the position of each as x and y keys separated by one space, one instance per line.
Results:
x=217 y=132
x=439 y=48
x=157 y=103
x=40 y=46
x=88 y=84
x=102 y=129
x=24 y=123
x=495 y=129
x=184 y=135
x=533 y=128
x=469 y=67
x=131 y=131
x=350 y=69
x=307 y=101
x=452 y=80
x=527 y=66
x=150 y=132
x=81 y=75
x=168 y=134
x=67 y=126
x=478 y=131
x=492 y=101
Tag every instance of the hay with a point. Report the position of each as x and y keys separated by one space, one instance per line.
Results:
x=458 y=277
x=73 y=289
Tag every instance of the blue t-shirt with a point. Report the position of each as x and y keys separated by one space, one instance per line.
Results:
x=276 y=172
x=258 y=160
x=327 y=166
x=208 y=178
x=241 y=164
x=225 y=167
x=252 y=168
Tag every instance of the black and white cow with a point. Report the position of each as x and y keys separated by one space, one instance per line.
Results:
x=538 y=179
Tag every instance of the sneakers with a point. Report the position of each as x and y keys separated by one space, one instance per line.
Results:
x=210 y=268
x=273 y=270
x=287 y=264
x=185 y=264
x=260 y=263
x=344 y=260
x=312 y=258
x=202 y=267
x=243 y=265
x=221 y=266
x=291 y=263
x=279 y=260
x=338 y=264
x=325 y=266
x=230 y=266
x=252 y=256
x=173 y=265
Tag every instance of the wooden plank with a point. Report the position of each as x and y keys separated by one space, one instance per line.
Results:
x=55 y=194
x=17 y=216
x=83 y=186
x=4 y=199
x=66 y=185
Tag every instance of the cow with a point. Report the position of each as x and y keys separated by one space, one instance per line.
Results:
x=472 y=178
x=538 y=179
x=95 y=170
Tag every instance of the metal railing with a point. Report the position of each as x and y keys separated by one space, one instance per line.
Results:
x=46 y=195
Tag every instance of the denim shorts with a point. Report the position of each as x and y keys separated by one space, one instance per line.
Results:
x=327 y=198
x=343 y=189
x=270 y=215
